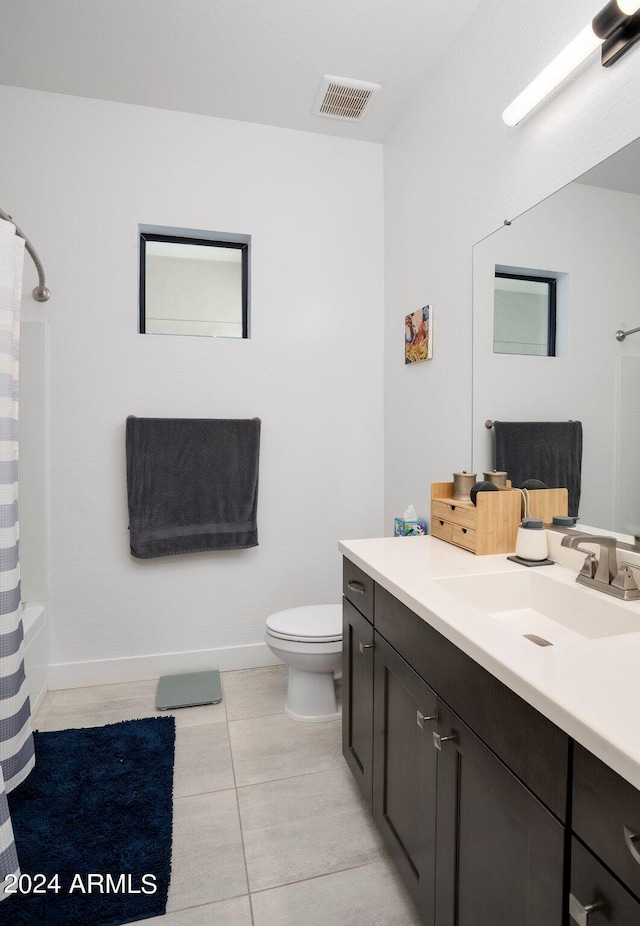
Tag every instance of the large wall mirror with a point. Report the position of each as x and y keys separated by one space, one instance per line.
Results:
x=586 y=238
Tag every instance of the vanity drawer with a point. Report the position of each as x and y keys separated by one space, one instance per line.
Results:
x=606 y=816
x=488 y=527
x=441 y=529
x=455 y=513
x=463 y=537
x=358 y=587
x=591 y=883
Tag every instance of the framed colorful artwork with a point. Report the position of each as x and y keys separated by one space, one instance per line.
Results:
x=418 y=335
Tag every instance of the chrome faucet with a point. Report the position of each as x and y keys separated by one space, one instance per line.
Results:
x=602 y=573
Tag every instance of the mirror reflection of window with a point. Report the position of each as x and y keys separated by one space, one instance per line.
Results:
x=524 y=316
x=193 y=286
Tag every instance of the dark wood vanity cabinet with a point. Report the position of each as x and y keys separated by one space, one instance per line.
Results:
x=472 y=843
x=529 y=744
x=471 y=787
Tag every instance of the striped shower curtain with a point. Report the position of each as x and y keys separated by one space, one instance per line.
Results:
x=16 y=740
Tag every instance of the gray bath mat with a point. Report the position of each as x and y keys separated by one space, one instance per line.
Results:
x=189 y=690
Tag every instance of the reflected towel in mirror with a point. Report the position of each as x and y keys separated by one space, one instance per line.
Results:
x=547 y=450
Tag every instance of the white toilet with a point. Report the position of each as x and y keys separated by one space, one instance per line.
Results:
x=309 y=641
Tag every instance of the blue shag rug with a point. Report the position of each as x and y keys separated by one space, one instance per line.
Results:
x=92 y=825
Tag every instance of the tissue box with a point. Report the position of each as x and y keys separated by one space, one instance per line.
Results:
x=402 y=528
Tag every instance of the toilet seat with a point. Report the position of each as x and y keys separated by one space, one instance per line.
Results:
x=320 y=623
x=298 y=639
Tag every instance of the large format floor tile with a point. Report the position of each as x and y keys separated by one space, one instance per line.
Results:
x=235 y=912
x=195 y=716
x=208 y=861
x=267 y=748
x=303 y=827
x=43 y=710
x=255 y=692
x=203 y=760
x=58 y=718
x=371 y=895
x=102 y=704
x=75 y=698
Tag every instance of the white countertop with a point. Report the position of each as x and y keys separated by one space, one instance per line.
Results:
x=590 y=689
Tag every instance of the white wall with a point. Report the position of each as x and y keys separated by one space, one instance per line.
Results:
x=590 y=235
x=80 y=175
x=453 y=173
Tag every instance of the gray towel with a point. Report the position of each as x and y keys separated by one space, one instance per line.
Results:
x=547 y=450
x=192 y=484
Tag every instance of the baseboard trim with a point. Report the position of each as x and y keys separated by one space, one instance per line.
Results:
x=139 y=668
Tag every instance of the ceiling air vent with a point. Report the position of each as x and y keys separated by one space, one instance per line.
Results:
x=344 y=98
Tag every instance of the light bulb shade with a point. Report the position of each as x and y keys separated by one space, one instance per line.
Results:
x=612 y=17
x=621 y=41
x=567 y=61
x=628 y=7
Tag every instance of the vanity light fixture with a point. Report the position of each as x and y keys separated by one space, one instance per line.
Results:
x=615 y=28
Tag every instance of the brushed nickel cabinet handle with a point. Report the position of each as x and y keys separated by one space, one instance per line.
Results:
x=631 y=839
x=356 y=586
x=579 y=913
x=438 y=740
x=363 y=646
x=422 y=718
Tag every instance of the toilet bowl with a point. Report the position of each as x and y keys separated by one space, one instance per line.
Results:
x=309 y=641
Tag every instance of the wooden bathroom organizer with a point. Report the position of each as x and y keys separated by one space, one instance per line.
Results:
x=491 y=525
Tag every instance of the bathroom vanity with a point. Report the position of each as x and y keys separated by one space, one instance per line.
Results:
x=502 y=775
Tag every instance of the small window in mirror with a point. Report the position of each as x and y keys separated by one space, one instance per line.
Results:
x=524 y=315
x=194 y=285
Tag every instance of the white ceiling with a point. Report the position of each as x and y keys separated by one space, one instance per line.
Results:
x=253 y=60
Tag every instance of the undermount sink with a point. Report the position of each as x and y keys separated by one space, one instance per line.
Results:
x=545 y=610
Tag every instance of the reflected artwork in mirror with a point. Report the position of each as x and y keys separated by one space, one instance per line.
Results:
x=585 y=238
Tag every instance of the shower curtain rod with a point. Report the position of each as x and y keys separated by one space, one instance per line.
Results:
x=621 y=335
x=40 y=292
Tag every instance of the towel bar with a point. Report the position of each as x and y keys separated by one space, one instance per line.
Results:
x=489 y=423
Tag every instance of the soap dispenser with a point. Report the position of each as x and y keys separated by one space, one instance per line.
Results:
x=531 y=541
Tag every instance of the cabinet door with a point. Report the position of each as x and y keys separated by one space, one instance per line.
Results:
x=404 y=772
x=499 y=850
x=357 y=696
x=597 y=898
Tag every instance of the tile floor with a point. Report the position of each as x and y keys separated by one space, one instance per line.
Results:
x=269 y=828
